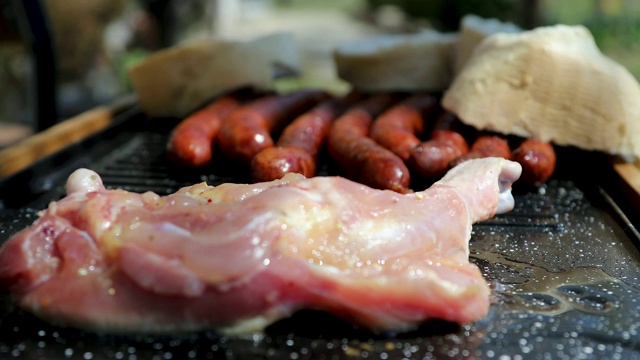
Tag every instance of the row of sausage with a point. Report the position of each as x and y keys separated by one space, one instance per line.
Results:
x=380 y=140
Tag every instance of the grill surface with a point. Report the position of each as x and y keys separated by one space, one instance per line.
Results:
x=563 y=265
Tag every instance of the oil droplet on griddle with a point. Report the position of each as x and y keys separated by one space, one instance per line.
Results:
x=586 y=289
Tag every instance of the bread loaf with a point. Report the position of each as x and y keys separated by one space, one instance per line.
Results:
x=175 y=81
x=474 y=29
x=408 y=62
x=551 y=83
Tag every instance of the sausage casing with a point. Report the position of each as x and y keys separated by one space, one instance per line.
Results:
x=486 y=146
x=247 y=130
x=297 y=147
x=398 y=128
x=432 y=158
x=359 y=156
x=191 y=142
x=538 y=160
x=274 y=162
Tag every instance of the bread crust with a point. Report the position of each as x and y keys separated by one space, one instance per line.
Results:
x=552 y=84
x=177 y=80
x=413 y=62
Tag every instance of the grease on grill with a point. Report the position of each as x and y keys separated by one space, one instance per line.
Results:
x=586 y=289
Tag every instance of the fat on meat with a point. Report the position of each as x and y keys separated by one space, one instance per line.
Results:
x=237 y=257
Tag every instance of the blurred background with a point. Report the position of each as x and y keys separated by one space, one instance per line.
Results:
x=61 y=57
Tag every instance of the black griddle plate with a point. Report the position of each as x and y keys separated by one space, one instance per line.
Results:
x=564 y=267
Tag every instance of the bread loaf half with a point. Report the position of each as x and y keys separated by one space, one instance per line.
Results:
x=474 y=29
x=551 y=83
x=175 y=81
x=408 y=62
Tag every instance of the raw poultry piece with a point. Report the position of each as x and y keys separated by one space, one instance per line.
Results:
x=551 y=84
x=238 y=257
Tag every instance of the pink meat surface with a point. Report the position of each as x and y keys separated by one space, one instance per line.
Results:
x=237 y=257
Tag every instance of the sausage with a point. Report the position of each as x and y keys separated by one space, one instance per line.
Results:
x=359 y=156
x=191 y=143
x=274 y=162
x=398 y=128
x=247 y=130
x=538 y=160
x=485 y=146
x=432 y=158
x=297 y=147
x=309 y=131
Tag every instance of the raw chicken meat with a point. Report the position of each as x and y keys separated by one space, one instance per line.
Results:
x=239 y=257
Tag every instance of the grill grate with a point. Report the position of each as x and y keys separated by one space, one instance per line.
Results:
x=563 y=269
x=533 y=212
x=140 y=166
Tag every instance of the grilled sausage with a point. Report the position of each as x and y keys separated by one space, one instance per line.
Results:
x=297 y=147
x=538 y=160
x=432 y=158
x=191 y=143
x=247 y=130
x=361 y=158
x=485 y=146
x=274 y=162
x=398 y=128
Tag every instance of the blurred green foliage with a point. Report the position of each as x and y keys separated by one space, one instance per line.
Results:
x=614 y=24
